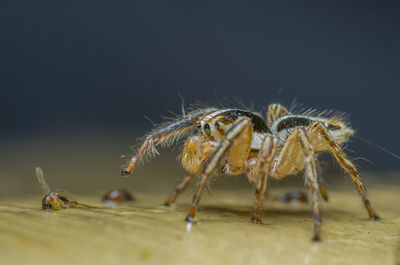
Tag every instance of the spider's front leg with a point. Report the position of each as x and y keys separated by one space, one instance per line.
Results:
x=298 y=152
x=318 y=129
x=236 y=145
x=166 y=134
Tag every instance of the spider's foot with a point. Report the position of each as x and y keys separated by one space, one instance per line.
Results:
x=316 y=238
x=256 y=220
x=374 y=217
x=371 y=212
x=189 y=219
x=170 y=201
x=125 y=172
x=168 y=204
x=191 y=215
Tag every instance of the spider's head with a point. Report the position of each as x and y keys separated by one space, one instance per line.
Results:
x=215 y=124
x=216 y=127
x=339 y=130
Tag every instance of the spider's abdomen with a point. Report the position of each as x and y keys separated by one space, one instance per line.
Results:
x=286 y=124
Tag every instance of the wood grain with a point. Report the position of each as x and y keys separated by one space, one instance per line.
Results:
x=145 y=232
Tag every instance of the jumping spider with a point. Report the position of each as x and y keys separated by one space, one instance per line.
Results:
x=234 y=141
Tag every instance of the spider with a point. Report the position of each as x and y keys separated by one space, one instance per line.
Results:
x=235 y=141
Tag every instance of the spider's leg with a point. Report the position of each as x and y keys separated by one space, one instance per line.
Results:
x=322 y=189
x=346 y=164
x=298 y=145
x=179 y=188
x=237 y=139
x=240 y=147
x=196 y=149
x=311 y=178
x=261 y=172
x=275 y=111
x=166 y=134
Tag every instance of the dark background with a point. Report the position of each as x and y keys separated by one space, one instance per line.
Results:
x=100 y=66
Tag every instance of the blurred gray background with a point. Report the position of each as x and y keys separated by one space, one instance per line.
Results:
x=73 y=70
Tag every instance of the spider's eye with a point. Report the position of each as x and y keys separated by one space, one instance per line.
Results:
x=207 y=129
x=217 y=125
x=199 y=126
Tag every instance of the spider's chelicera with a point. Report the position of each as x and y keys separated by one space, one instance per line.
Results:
x=234 y=141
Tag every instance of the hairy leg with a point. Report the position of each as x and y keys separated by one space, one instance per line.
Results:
x=179 y=188
x=275 y=111
x=297 y=150
x=346 y=164
x=312 y=179
x=260 y=172
x=237 y=132
x=165 y=135
x=322 y=190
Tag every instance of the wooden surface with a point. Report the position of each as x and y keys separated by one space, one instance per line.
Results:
x=146 y=233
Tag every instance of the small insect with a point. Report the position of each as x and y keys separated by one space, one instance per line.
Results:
x=55 y=200
x=295 y=197
x=117 y=196
x=235 y=141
